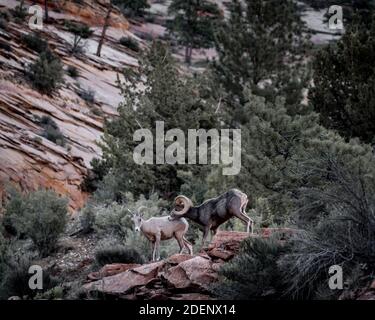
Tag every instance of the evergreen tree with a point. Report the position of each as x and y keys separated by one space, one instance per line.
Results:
x=262 y=44
x=167 y=96
x=193 y=23
x=344 y=84
x=278 y=151
x=132 y=7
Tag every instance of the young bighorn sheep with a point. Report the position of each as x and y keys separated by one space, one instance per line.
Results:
x=156 y=229
x=214 y=212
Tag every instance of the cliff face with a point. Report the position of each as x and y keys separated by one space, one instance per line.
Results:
x=28 y=159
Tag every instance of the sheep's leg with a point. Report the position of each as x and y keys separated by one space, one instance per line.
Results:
x=245 y=219
x=180 y=241
x=157 y=246
x=205 y=235
x=249 y=220
x=153 y=247
x=188 y=245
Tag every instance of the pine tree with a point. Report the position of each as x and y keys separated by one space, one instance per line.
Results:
x=167 y=96
x=278 y=152
x=344 y=84
x=261 y=43
x=193 y=23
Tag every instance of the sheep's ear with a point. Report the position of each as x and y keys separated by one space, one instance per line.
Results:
x=141 y=210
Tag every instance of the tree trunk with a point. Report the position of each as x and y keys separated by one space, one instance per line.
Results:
x=188 y=54
x=46 y=10
x=106 y=24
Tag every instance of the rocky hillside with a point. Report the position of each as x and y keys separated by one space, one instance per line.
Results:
x=27 y=158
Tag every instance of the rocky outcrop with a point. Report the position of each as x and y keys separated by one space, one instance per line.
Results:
x=180 y=276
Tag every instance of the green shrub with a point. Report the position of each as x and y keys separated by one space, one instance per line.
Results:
x=46 y=73
x=130 y=43
x=253 y=274
x=72 y=71
x=55 y=293
x=40 y=216
x=87 y=219
x=87 y=95
x=35 y=42
x=3 y=250
x=20 y=12
x=339 y=226
x=132 y=8
x=3 y=24
x=16 y=276
x=113 y=220
x=51 y=131
x=117 y=254
x=81 y=31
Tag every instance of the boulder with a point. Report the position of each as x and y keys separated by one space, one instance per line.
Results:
x=193 y=273
x=178 y=258
x=226 y=244
x=111 y=270
x=123 y=282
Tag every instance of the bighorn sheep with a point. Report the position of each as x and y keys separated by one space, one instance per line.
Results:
x=156 y=229
x=214 y=212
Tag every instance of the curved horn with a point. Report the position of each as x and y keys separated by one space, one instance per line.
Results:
x=182 y=201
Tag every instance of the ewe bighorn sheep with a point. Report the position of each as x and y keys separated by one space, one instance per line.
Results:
x=161 y=228
x=214 y=212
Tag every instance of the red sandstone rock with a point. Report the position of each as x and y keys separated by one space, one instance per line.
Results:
x=196 y=272
x=110 y=270
x=123 y=282
x=178 y=258
x=179 y=277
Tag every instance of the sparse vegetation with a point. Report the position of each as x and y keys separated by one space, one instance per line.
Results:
x=132 y=8
x=15 y=278
x=117 y=254
x=72 y=71
x=40 y=216
x=80 y=31
x=88 y=95
x=130 y=43
x=34 y=42
x=20 y=12
x=51 y=130
x=46 y=73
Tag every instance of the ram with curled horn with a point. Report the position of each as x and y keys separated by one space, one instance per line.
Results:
x=157 y=229
x=214 y=212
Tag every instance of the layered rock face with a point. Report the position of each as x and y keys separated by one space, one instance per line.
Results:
x=28 y=160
